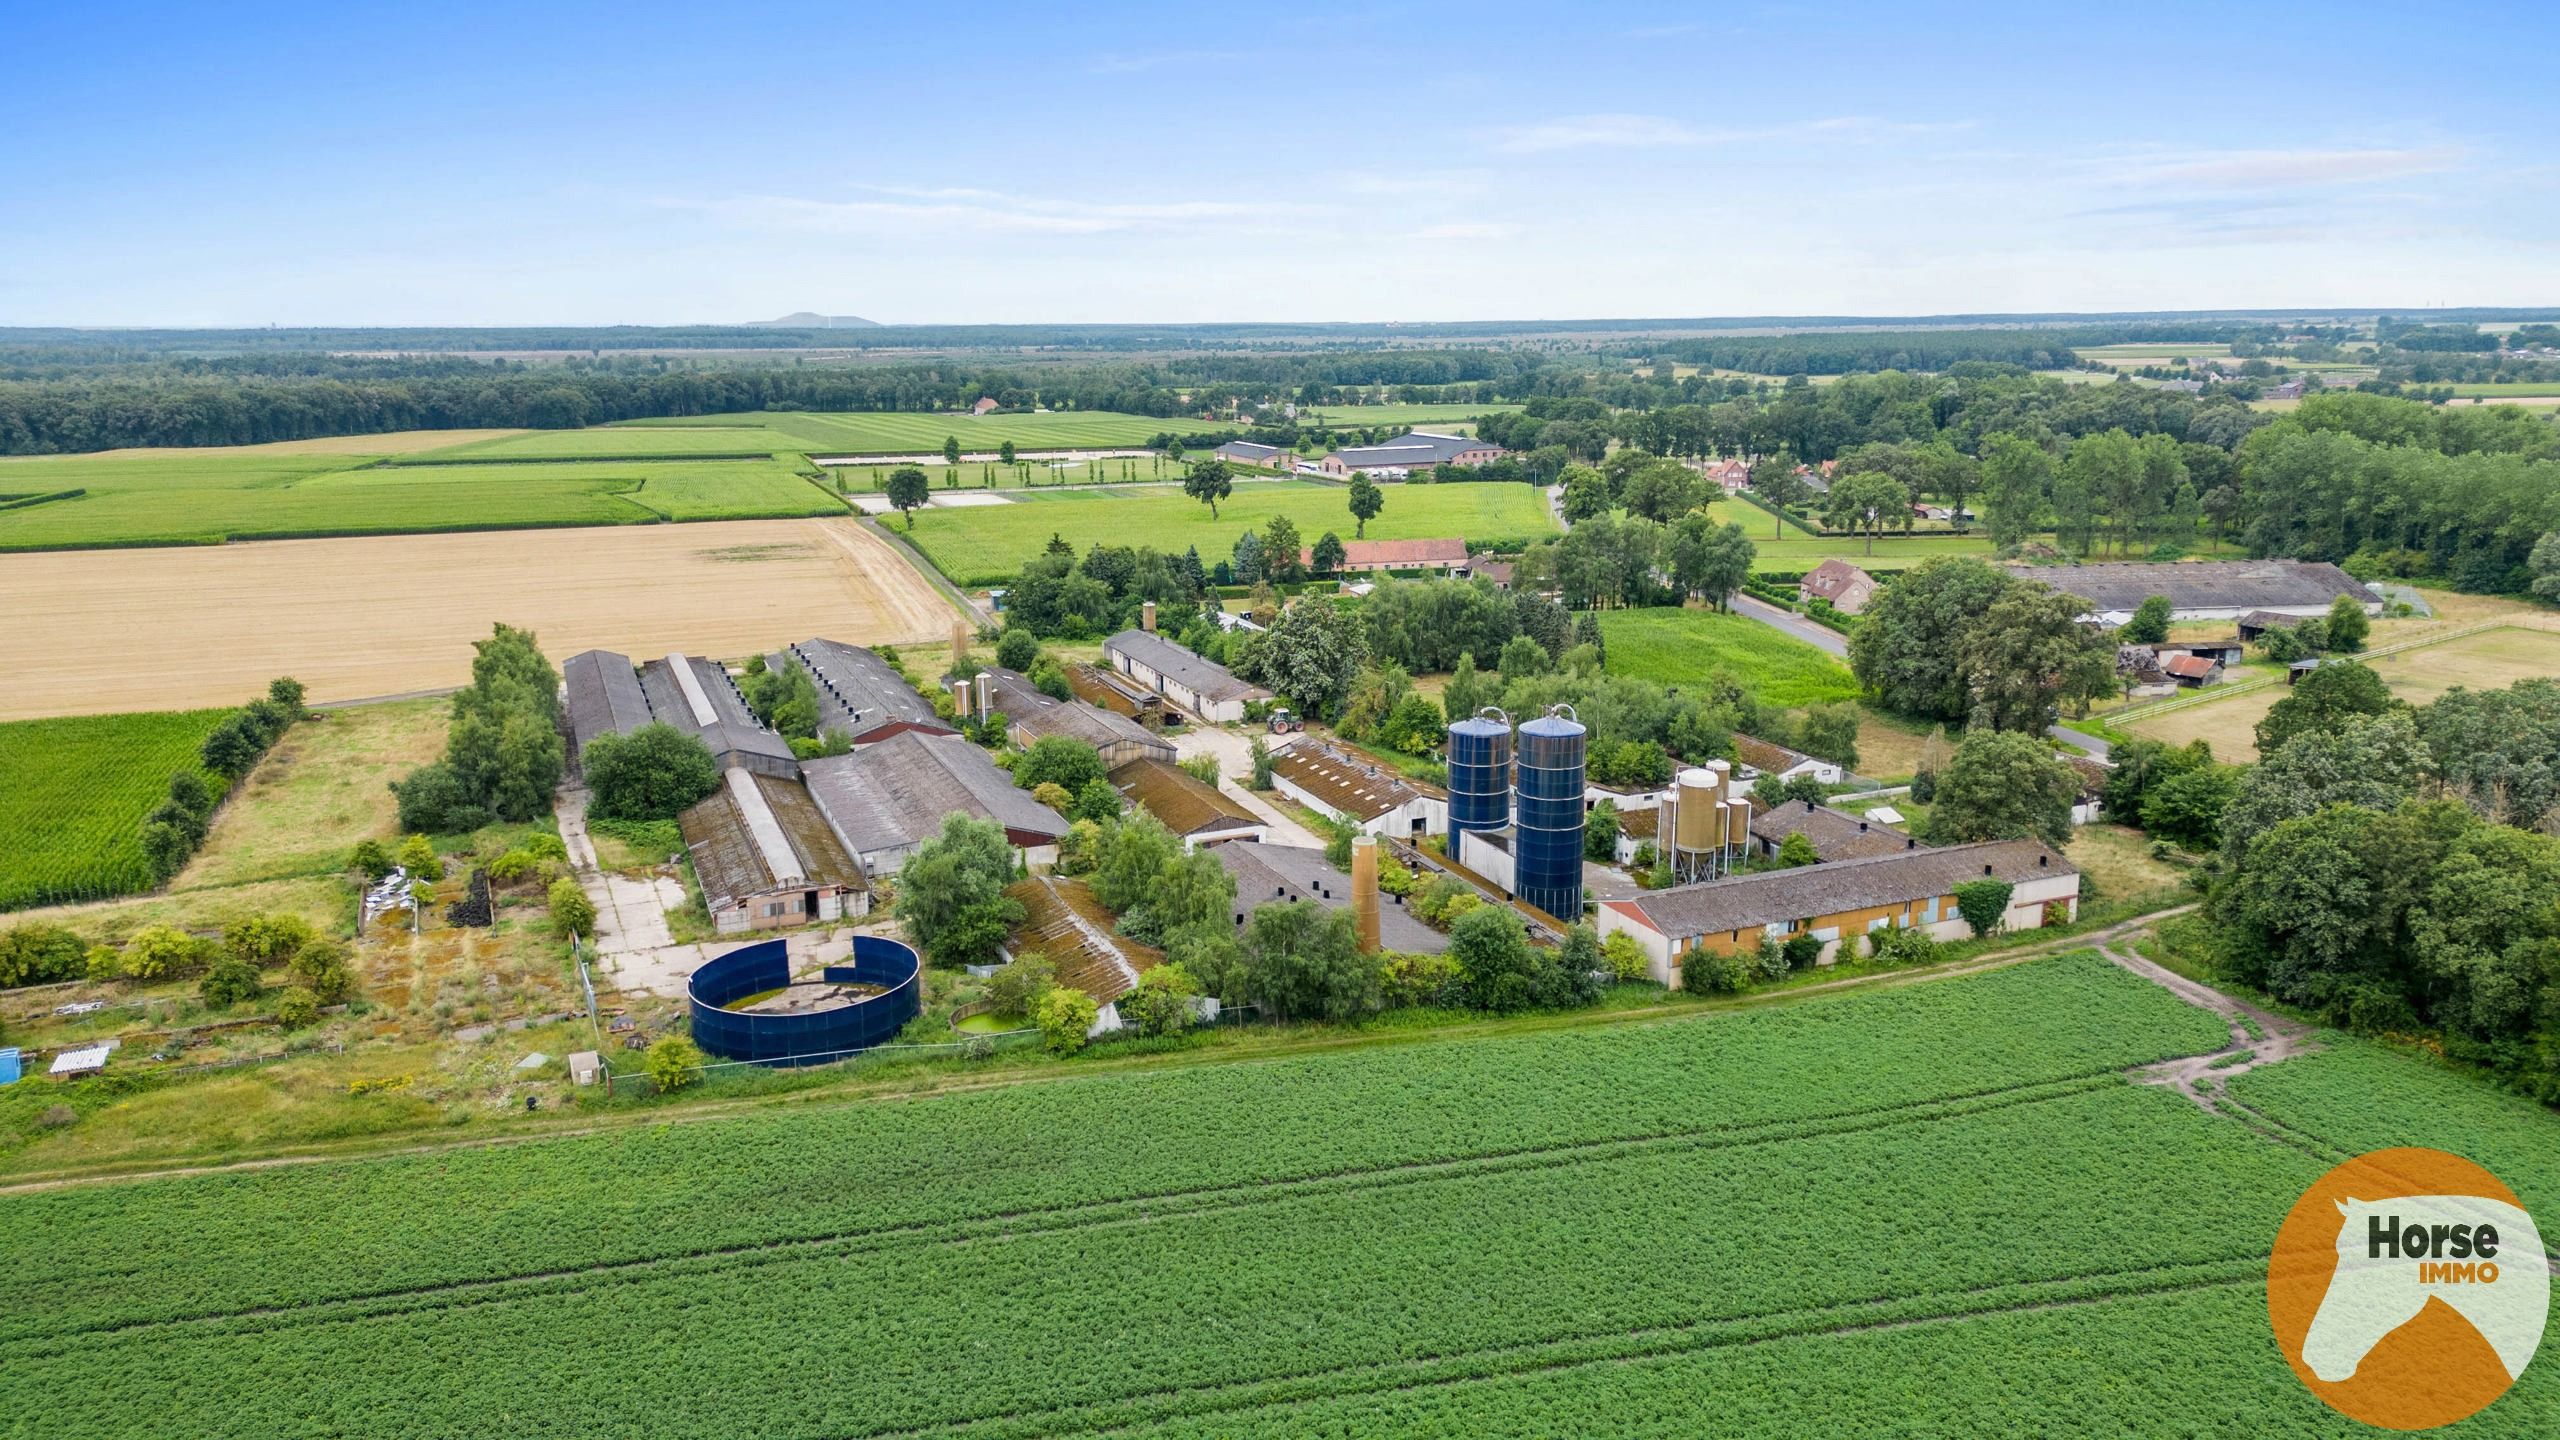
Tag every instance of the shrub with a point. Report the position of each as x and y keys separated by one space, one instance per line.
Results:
x=1161 y=1005
x=265 y=940
x=1624 y=957
x=321 y=969
x=435 y=799
x=572 y=913
x=1017 y=650
x=1419 y=978
x=39 y=954
x=543 y=845
x=1016 y=988
x=230 y=980
x=1062 y=760
x=513 y=866
x=157 y=952
x=1711 y=972
x=1065 y=1017
x=652 y=773
x=371 y=859
x=672 y=1063
x=296 y=1007
x=418 y=857
x=1982 y=903
x=1801 y=952
x=1053 y=795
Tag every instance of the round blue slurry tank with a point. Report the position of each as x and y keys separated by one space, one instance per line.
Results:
x=814 y=1036
x=1480 y=771
x=1547 y=814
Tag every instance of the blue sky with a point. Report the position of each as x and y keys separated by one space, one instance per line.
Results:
x=644 y=163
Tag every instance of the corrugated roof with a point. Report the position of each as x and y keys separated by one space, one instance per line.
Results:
x=604 y=695
x=1769 y=759
x=1745 y=902
x=2190 y=667
x=1206 y=678
x=2201 y=584
x=1836 y=834
x=896 y=793
x=1179 y=799
x=1351 y=784
x=1040 y=715
x=1281 y=874
x=1063 y=921
x=1414 y=448
x=732 y=729
x=758 y=834
x=858 y=692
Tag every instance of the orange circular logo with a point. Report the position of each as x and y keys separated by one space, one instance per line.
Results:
x=2408 y=1288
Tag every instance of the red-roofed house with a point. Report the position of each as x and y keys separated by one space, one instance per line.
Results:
x=985 y=404
x=1847 y=587
x=2192 y=669
x=1370 y=555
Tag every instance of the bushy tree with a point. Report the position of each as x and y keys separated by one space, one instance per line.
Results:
x=672 y=1062
x=951 y=893
x=230 y=980
x=263 y=940
x=1625 y=959
x=1366 y=500
x=2150 y=622
x=159 y=952
x=1161 y=1005
x=1060 y=760
x=371 y=859
x=2186 y=809
x=2348 y=625
x=2323 y=701
x=296 y=1007
x=1303 y=962
x=1209 y=482
x=908 y=491
x=37 y=953
x=324 y=969
x=2029 y=653
x=2003 y=785
x=1312 y=654
x=1909 y=648
x=652 y=773
x=1016 y=649
x=1796 y=851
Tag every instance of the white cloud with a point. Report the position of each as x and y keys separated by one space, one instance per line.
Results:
x=2287 y=169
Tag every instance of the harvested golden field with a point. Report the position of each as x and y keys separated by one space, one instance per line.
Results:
x=99 y=631
x=2491 y=660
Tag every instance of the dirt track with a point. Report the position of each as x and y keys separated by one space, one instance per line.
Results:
x=98 y=631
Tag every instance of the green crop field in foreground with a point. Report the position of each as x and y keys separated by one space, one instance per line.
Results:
x=73 y=796
x=173 y=497
x=1684 y=647
x=1937 y=1210
x=982 y=545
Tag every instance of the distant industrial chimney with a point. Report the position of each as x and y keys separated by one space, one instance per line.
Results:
x=1147 y=616
x=959 y=641
x=1364 y=891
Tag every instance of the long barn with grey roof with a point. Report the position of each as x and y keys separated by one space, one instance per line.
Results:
x=1030 y=716
x=2204 y=589
x=885 y=800
x=1203 y=687
x=604 y=696
x=860 y=695
x=697 y=697
x=766 y=859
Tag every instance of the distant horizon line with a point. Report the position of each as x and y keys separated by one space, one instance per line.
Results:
x=1939 y=319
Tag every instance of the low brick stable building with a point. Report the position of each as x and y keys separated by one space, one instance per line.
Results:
x=1416 y=450
x=1373 y=556
x=1030 y=716
x=884 y=801
x=1841 y=900
x=1759 y=757
x=2205 y=589
x=1190 y=807
x=1834 y=834
x=1844 y=585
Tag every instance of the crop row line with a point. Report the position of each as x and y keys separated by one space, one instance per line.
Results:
x=1571 y=1351
x=1067 y=1218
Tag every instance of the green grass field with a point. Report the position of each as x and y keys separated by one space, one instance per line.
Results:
x=904 y=433
x=1794 y=548
x=73 y=795
x=1429 y=416
x=1025 y=475
x=1684 y=647
x=2519 y=390
x=1928 y=1211
x=173 y=498
x=985 y=544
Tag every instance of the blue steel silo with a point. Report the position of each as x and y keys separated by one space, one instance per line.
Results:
x=1480 y=772
x=1547 y=823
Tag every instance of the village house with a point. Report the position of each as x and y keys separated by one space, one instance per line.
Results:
x=1841 y=900
x=1376 y=556
x=1732 y=475
x=1416 y=450
x=1847 y=587
x=985 y=404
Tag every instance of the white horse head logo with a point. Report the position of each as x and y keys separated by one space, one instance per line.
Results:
x=2482 y=1257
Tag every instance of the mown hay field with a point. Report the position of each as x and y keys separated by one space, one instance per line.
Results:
x=984 y=545
x=1684 y=647
x=2490 y=660
x=388 y=614
x=73 y=796
x=176 y=497
x=1930 y=1210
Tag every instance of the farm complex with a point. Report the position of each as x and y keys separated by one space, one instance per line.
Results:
x=1038 y=881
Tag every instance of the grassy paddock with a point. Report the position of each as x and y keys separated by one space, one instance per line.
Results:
x=1684 y=647
x=323 y=788
x=985 y=544
x=2490 y=660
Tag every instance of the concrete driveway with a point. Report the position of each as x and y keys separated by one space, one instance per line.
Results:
x=1827 y=640
x=1235 y=757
